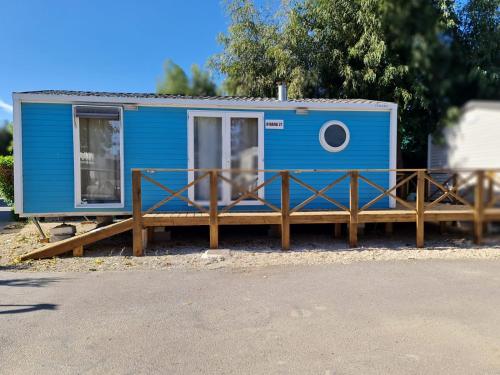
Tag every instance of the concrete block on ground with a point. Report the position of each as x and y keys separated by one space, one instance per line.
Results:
x=102 y=221
x=274 y=230
x=162 y=234
x=63 y=230
x=361 y=228
x=145 y=238
x=60 y=238
x=389 y=228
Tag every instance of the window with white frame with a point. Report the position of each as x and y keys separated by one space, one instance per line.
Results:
x=98 y=152
x=226 y=140
x=334 y=136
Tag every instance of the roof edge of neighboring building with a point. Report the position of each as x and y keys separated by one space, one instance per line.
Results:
x=484 y=104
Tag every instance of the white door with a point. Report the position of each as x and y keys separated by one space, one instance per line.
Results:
x=226 y=140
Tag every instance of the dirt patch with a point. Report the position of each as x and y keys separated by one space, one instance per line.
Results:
x=249 y=247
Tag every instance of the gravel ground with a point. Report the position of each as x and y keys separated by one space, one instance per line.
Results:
x=250 y=247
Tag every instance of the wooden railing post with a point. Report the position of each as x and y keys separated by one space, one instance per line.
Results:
x=285 y=210
x=138 y=249
x=214 y=200
x=420 y=200
x=479 y=208
x=353 y=209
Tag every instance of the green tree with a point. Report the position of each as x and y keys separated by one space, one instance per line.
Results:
x=250 y=44
x=7 y=178
x=201 y=83
x=6 y=138
x=478 y=50
x=412 y=52
x=176 y=82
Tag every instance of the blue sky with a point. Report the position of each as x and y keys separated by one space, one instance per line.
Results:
x=101 y=45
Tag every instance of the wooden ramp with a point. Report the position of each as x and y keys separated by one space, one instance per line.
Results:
x=79 y=241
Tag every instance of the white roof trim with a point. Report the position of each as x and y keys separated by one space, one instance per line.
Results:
x=203 y=103
x=483 y=104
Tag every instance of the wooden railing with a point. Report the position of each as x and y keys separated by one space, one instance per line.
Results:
x=410 y=193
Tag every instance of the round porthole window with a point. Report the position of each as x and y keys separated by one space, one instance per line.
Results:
x=334 y=136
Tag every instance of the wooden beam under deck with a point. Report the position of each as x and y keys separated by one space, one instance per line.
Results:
x=175 y=219
x=386 y=216
x=319 y=217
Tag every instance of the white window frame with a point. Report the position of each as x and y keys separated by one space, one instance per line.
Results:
x=76 y=159
x=226 y=153
x=323 y=141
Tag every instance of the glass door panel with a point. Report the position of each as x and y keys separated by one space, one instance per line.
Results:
x=244 y=155
x=207 y=133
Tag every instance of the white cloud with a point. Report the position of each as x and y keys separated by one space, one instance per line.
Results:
x=5 y=106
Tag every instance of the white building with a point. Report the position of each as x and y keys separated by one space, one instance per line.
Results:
x=474 y=142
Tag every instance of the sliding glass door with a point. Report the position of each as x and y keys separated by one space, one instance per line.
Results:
x=226 y=140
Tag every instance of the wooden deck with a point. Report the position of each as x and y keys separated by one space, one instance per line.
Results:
x=423 y=209
x=482 y=208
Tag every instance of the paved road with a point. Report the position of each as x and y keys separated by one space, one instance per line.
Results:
x=424 y=317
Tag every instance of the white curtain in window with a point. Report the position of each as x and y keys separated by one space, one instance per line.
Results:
x=244 y=155
x=207 y=152
x=100 y=160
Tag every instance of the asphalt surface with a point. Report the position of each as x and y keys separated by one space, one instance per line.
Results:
x=425 y=317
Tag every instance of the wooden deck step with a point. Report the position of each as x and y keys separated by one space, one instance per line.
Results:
x=83 y=239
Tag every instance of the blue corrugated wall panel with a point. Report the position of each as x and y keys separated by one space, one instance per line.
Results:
x=157 y=138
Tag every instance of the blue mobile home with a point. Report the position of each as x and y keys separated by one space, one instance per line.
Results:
x=74 y=151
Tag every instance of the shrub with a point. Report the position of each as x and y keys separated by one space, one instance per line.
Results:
x=7 y=179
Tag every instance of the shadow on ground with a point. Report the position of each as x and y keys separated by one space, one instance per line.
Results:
x=20 y=309
x=29 y=282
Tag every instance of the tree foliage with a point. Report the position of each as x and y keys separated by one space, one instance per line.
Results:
x=6 y=138
x=427 y=56
x=201 y=82
x=7 y=178
x=176 y=82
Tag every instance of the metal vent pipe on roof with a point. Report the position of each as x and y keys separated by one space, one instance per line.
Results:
x=282 y=94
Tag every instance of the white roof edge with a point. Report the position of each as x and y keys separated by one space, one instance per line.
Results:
x=485 y=104
x=202 y=103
